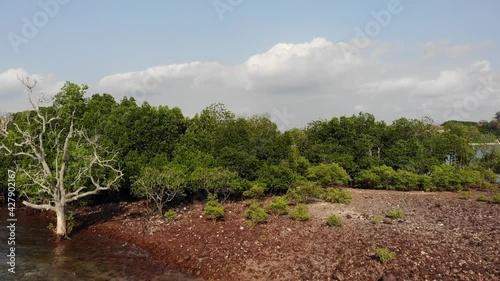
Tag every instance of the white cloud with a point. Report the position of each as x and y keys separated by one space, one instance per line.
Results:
x=443 y=49
x=9 y=81
x=312 y=80
x=12 y=93
x=359 y=107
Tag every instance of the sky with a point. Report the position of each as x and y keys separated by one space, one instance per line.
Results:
x=296 y=61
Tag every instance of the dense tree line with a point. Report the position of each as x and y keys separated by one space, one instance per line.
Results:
x=167 y=156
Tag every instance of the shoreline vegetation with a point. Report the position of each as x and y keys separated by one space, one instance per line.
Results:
x=263 y=184
x=426 y=235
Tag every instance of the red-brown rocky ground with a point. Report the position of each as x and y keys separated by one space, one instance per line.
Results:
x=441 y=237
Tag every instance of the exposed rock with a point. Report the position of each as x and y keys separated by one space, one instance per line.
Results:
x=389 y=276
x=463 y=247
x=387 y=221
x=338 y=276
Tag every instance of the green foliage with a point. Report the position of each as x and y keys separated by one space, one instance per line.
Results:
x=192 y=158
x=385 y=255
x=496 y=199
x=70 y=222
x=352 y=142
x=256 y=191
x=70 y=101
x=466 y=194
x=217 y=181
x=213 y=209
x=162 y=185
x=279 y=206
x=6 y=163
x=404 y=180
x=328 y=175
x=425 y=183
x=333 y=220
x=484 y=198
x=334 y=195
x=239 y=185
x=470 y=178
x=368 y=179
x=294 y=196
x=61 y=158
x=223 y=154
x=308 y=190
x=488 y=175
x=442 y=178
x=278 y=178
x=377 y=219
x=395 y=214
x=241 y=162
x=384 y=177
x=255 y=215
x=300 y=213
x=446 y=177
x=381 y=177
x=298 y=163
x=170 y=215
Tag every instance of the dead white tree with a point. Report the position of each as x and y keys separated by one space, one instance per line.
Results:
x=58 y=161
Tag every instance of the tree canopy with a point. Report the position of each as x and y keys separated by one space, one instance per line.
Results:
x=165 y=155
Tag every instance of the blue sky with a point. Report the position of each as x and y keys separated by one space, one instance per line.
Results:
x=85 y=41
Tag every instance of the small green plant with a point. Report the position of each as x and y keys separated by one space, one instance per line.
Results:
x=484 y=198
x=279 y=206
x=335 y=195
x=294 y=196
x=213 y=209
x=170 y=215
x=251 y=201
x=255 y=215
x=385 y=255
x=70 y=222
x=396 y=214
x=300 y=213
x=377 y=219
x=328 y=174
x=309 y=191
x=465 y=194
x=334 y=220
x=256 y=191
x=496 y=199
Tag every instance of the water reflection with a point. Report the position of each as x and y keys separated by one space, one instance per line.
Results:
x=84 y=257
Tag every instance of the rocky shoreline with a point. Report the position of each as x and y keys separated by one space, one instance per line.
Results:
x=441 y=237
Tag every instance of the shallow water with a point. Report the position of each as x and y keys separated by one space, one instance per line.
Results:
x=84 y=257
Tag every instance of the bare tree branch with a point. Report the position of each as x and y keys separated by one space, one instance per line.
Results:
x=98 y=161
x=46 y=207
x=34 y=179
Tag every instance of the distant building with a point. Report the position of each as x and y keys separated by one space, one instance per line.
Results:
x=438 y=128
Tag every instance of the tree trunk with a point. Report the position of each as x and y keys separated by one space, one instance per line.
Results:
x=61 y=222
x=160 y=209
